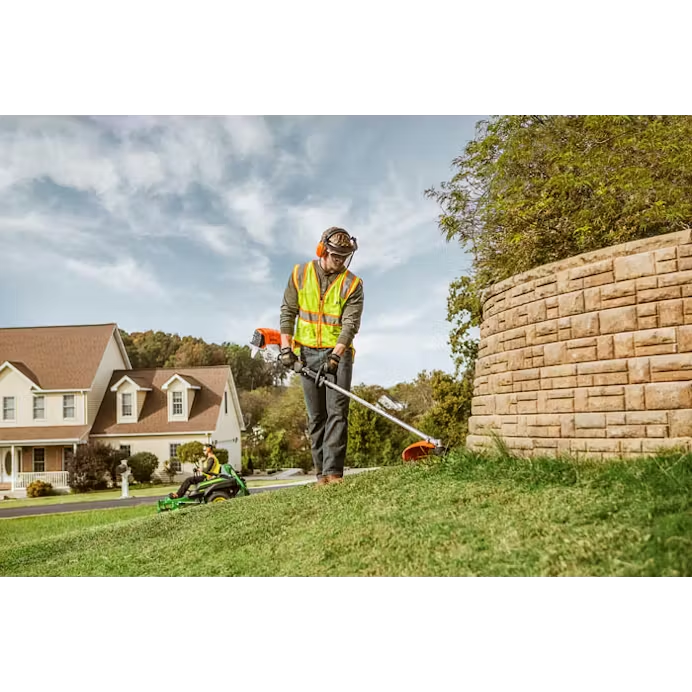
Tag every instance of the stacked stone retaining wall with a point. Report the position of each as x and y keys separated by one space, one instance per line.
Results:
x=591 y=355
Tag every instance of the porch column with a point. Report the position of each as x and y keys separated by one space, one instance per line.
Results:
x=14 y=469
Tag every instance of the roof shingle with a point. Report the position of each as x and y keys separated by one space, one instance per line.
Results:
x=57 y=357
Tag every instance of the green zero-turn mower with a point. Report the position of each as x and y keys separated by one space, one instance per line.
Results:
x=227 y=485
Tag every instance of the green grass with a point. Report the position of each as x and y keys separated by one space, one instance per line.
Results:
x=466 y=514
x=134 y=491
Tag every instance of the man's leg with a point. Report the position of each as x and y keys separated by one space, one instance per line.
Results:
x=336 y=430
x=315 y=402
x=190 y=480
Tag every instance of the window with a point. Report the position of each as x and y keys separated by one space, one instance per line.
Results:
x=225 y=402
x=67 y=454
x=8 y=408
x=68 y=406
x=126 y=404
x=175 y=462
x=39 y=407
x=177 y=403
x=127 y=449
x=39 y=459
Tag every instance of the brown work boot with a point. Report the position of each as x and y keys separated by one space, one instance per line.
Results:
x=334 y=479
x=322 y=480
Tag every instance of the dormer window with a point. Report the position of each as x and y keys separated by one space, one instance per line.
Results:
x=130 y=392
x=181 y=391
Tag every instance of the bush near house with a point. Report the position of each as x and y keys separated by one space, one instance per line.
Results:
x=169 y=470
x=190 y=453
x=91 y=466
x=143 y=465
x=39 y=489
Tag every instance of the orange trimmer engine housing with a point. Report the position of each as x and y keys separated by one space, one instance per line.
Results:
x=266 y=337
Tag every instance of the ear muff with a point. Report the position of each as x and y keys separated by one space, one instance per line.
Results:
x=323 y=245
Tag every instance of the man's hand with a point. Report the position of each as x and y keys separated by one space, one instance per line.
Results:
x=287 y=358
x=333 y=363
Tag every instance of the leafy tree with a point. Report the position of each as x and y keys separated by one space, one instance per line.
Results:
x=191 y=452
x=286 y=414
x=150 y=349
x=248 y=373
x=535 y=189
x=194 y=352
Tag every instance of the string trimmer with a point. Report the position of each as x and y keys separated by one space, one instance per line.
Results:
x=263 y=338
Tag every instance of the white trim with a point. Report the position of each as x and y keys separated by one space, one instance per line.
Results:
x=7 y=364
x=73 y=407
x=29 y=443
x=179 y=433
x=180 y=378
x=138 y=387
x=121 y=346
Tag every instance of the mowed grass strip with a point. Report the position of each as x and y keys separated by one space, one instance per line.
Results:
x=466 y=514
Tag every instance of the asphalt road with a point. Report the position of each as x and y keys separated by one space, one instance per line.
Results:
x=109 y=504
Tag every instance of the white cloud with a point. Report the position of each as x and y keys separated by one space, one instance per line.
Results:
x=249 y=135
x=125 y=276
x=253 y=204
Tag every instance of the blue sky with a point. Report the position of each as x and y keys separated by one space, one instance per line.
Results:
x=193 y=224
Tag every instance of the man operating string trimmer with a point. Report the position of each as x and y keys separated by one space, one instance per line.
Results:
x=326 y=299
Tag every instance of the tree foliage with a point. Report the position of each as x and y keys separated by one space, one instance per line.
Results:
x=529 y=190
x=156 y=349
x=143 y=465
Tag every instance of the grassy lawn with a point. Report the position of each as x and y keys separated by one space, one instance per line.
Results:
x=158 y=490
x=466 y=514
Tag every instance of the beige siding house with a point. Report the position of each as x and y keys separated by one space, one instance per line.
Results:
x=63 y=386
x=157 y=410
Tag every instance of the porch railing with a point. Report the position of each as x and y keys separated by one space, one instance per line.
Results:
x=58 y=479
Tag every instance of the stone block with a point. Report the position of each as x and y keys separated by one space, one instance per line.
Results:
x=656 y=431
x=684 y=250
x=527 y=407
x=581 y=400
x=618 y=320
x=590 y=433
x=623 y=289
x=598 y=367
x=665 y=254
x=639 y=370
x=536 y=311
x=647 y=283
x=617 y=418
x=631 y=446
x=685 y=263
x=592 y=299
x=676 y=279
x=567 y=426
x=547 y=328
x=591 y=268
x=647 y=310
x=647 y=322
x=606 y=403
x=626 y=431
x=666 y=267
x=571 y=303
x=581 y=355
x=609 y=378
x=603 y=445
x=670 y=313
x=684 y=339
x=634 y=397
x=674 y=363
x=646 y=417
x=558 y=370
x=668 y=395
x=604 y=347
x=563 y=382
x=655 y=337
x=547 y=290
x=656 y=295
x=584 y=380
x=555 y=354
x=585 y=325
x=680 y=423
x=599 y=280
x=634 y=266
x=658 y=444
x=589 y=420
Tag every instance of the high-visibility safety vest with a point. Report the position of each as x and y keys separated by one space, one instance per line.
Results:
x=319 y=319
x=215 y=468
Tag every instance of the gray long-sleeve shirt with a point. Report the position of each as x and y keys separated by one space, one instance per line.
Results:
x=350 y=317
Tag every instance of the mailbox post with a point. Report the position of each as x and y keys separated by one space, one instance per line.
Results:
x=124 y=471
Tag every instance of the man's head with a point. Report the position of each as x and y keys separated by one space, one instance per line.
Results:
x=335 y=248
x=208 y=449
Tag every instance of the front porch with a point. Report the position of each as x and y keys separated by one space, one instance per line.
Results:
x=21 y=465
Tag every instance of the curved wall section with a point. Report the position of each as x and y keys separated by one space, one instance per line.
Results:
x=590 y=355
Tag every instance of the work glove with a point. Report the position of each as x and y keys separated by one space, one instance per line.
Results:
x=287 y=358
x=332 y=364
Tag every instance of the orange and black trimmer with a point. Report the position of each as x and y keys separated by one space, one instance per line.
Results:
x=262 y=338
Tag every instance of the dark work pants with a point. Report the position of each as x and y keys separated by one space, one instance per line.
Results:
x=190 y=480
x=327 y=413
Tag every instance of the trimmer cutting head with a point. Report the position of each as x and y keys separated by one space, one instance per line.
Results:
x=420 y=450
